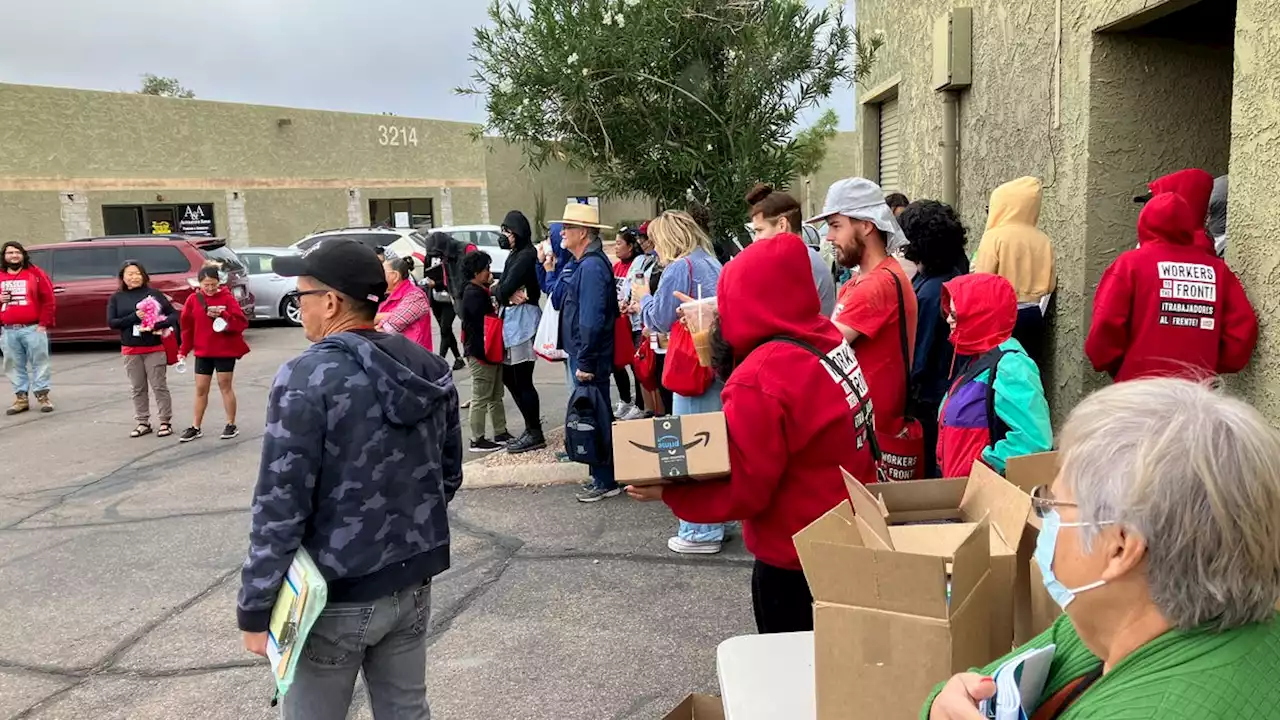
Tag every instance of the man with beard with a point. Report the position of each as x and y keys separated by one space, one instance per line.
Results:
x=872 y=307
x=796 y=411
x=26 y=314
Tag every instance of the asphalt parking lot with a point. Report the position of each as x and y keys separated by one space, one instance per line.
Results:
x=119 y=560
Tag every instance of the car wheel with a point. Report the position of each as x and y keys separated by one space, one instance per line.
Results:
x=290 y=311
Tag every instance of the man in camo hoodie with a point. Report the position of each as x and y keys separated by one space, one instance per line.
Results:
x=362 y=454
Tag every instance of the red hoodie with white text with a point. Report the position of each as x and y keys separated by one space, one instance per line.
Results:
x=1167 y=309
x=31 y=299
x=792 y=424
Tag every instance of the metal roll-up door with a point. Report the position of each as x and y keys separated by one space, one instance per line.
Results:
x=889 y=145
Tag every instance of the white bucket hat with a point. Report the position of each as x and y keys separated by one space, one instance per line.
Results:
x=861 y=199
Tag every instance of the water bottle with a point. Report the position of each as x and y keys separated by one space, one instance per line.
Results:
x=181 y=365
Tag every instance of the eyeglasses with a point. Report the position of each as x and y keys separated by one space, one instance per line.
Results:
x=1042 y=502
x=304 y=293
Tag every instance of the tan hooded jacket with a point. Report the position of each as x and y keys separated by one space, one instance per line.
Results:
x=1013 y=246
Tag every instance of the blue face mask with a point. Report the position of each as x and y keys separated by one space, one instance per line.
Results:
x=1045 y=547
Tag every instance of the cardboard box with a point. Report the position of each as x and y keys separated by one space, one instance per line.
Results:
x=671 y=449
x=1033 y=609
x=697 y=707
x=896 y=609
x=967 y=500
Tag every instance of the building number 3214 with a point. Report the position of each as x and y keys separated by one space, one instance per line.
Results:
x=397 y=136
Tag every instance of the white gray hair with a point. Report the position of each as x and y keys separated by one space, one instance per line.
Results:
x=1197 y=475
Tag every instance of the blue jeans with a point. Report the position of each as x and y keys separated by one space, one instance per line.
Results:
x=25 y=346
x=704 y=403
x=386 y=638
x=602 y=476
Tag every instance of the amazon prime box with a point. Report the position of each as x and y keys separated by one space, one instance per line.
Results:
x=670 y=449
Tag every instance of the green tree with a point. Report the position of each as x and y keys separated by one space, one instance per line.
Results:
x=684 y=101
x=163 y=87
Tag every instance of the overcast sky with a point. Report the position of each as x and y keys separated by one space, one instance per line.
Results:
x=398 y=56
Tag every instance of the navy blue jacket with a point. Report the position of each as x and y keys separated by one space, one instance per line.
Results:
x=931 y=369
x=588 y=313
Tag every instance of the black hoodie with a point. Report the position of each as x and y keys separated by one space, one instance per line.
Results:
x=521 y=268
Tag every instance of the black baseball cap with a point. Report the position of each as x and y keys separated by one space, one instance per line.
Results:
x=347 y=266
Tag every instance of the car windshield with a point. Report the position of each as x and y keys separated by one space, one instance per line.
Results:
x=372 y=240
x=224 y=257
x=418 y=239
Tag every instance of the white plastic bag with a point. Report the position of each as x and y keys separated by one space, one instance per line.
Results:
x=547 y=339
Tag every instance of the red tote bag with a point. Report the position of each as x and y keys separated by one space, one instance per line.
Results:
x=624 y=348
x=169 y=340
x=646 y=365
x=493 y=346
x=683 y=374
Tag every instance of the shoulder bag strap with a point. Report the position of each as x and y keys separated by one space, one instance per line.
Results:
x=200 y=299
x=902 y=340
x=863 y=404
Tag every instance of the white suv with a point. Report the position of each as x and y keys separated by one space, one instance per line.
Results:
x=484 y=237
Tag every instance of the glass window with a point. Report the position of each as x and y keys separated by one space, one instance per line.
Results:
x=122 y=220
x=253 y=262
x=225 y=257
x=158 y=259
x=420 y=215
x=86 y=263
x=485 y=238
x=42 y=259
x=418 y=239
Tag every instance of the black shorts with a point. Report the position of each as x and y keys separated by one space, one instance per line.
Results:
x=208 y=365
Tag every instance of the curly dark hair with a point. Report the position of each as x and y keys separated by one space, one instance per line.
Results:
x=935 y=236
x=474 y=263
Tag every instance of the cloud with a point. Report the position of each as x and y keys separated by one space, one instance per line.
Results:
x=398 y=56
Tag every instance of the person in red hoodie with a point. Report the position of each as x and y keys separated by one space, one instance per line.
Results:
x=213 y=328
x=1195 y=186
x=26 y=314
x=1168 y=308
x=795 y=402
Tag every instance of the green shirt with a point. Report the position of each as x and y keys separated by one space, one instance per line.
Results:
x=1194 y=674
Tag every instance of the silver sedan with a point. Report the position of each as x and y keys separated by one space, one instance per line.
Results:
x=275 y=297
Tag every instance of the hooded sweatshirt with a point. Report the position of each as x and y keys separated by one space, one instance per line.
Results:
x=361 y=455
x=1013 y=247
x=1168 y=309
x=521 y=268
x=31 y=298
x=792 y=425
x=1195 y=187
x=986 y=310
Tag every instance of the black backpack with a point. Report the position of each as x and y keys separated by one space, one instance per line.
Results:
x=989 y=360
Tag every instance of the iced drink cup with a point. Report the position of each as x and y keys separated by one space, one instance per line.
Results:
x=699 y=316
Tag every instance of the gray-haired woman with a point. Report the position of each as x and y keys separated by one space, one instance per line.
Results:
x=1161 y=541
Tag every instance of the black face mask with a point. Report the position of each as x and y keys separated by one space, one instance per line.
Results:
x=504 y=242
x=722 y=360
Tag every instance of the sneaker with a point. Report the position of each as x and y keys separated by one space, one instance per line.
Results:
x=620 y=408
x=526 y=443
x=595 y=494
x=504 y=438
x=459 y=364
x=484 y=445
x=229 y=432
x=678 y=544
x=634 y=413
x=191 y=433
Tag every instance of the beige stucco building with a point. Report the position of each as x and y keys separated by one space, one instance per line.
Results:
x=1096 y=97
x=75 y=163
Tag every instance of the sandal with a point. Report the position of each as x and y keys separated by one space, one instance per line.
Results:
x=142 y=429
x=165 y=430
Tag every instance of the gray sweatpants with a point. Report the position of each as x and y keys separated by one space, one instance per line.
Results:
x=149 y=371
x=386 y=638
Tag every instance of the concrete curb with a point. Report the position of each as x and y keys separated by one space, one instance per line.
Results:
x=479 y=475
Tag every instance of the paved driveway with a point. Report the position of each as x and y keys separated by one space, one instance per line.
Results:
x=119 y=559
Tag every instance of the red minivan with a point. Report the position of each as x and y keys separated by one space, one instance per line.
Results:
x=85 y=273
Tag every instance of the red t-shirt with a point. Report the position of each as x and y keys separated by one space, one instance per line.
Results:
x=869 y=304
